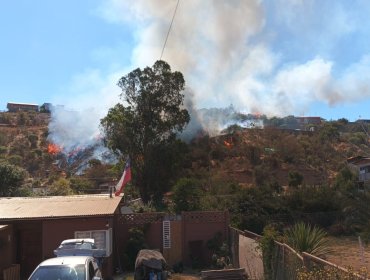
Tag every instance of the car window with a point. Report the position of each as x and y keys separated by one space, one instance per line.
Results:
x=59 y=272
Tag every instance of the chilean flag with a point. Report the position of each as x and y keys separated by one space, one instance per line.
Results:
x=126 y=177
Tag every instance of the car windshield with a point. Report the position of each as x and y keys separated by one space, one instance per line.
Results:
x=79 y=245
x=60 y=272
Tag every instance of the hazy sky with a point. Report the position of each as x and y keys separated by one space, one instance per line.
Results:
x=278 y=57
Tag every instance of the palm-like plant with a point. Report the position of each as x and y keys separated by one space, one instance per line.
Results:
x=306 y=238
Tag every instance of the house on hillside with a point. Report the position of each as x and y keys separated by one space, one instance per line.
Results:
x=307 y=123
x=31 y=228
x=361 y=165
x=16 y=107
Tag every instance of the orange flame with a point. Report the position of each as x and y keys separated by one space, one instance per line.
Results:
x=228 y=144
x=54 y=149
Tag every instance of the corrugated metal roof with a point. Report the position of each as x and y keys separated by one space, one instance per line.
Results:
x=18 y=208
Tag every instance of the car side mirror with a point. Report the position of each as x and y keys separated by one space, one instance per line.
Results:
x=97 y=278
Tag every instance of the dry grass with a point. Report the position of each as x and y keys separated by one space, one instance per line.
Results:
x=347 y=253
x=130 y=276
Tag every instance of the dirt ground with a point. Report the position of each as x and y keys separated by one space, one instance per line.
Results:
x=347 y=252
x=184 y=276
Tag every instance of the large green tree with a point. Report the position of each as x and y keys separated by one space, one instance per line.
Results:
x=11 y=178
x=145 y=125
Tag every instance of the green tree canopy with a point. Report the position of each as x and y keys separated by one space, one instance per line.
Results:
x=144 y=126
x=11 y=178
x=60 y=187
x=187 y=194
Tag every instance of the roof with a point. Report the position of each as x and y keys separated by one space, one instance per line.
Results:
x=3 y=227
x=17 y=103
x=67 y=260
x=23 y=208
x=359 y=160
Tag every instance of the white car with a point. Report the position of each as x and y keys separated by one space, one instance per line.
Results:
x=67 y=268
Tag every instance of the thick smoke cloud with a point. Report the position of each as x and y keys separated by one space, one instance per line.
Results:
x=270 y=57
x=274 y=58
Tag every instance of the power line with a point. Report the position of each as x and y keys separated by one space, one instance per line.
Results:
x=169 y=29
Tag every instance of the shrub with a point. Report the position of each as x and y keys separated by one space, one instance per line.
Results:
x=306 y=238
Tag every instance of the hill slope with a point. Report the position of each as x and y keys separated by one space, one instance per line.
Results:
x=246 y=157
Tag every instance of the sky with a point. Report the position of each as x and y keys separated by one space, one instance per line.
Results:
x=273 y=57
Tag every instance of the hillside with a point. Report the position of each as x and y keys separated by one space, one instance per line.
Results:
x=267 y=156
x=246 y=157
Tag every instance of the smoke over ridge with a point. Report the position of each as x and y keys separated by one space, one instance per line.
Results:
x=276 y=58
x=224 y=48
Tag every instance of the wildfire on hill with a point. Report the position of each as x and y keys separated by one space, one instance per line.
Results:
x=54 y=149
x=228 y=144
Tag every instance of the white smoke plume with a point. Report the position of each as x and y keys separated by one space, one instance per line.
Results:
x=230 y=51
x=269 y=57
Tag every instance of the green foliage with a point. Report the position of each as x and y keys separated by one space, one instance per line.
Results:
x=346 y=180
x=289 y=148
x=135 y=242
x=329 y=132
x=268 y=248
x=15 y=160
x=295 y=179
x=253 y=153
x=3 y=150
x=61 y=186
x=146 y=128
x=22 y=118
x=306 y=238
x=358 y=138
x=252 y=208
x=220 y=252
x=33 y=138
x=187 y=194
x=11 y=178
x=81 y=185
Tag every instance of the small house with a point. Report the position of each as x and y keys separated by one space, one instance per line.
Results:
x=31 y=228
x=16 y=107
x=361 y=165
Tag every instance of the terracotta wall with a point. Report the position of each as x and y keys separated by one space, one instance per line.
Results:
x=55 y=231
x=189 y=233
x=7 y=256
x=198 y=229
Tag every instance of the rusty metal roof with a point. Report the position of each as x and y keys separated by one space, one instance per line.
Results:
x=22 y=208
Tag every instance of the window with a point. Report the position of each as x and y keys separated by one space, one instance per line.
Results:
x=103 y=238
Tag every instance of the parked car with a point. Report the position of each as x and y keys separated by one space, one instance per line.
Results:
x=149 y=265
x=67 y=268
x=79 y=247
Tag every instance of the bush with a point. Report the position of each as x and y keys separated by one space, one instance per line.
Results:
x=135 y=242
x=187 y=193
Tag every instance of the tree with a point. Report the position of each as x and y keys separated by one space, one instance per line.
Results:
x=11 y=178
x=145 y=129
x=186 y=196
x=60 y=187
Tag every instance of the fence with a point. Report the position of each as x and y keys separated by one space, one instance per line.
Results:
x=286 y=263
x=12 y=272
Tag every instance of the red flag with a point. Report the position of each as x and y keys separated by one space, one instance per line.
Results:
x=126 y=177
